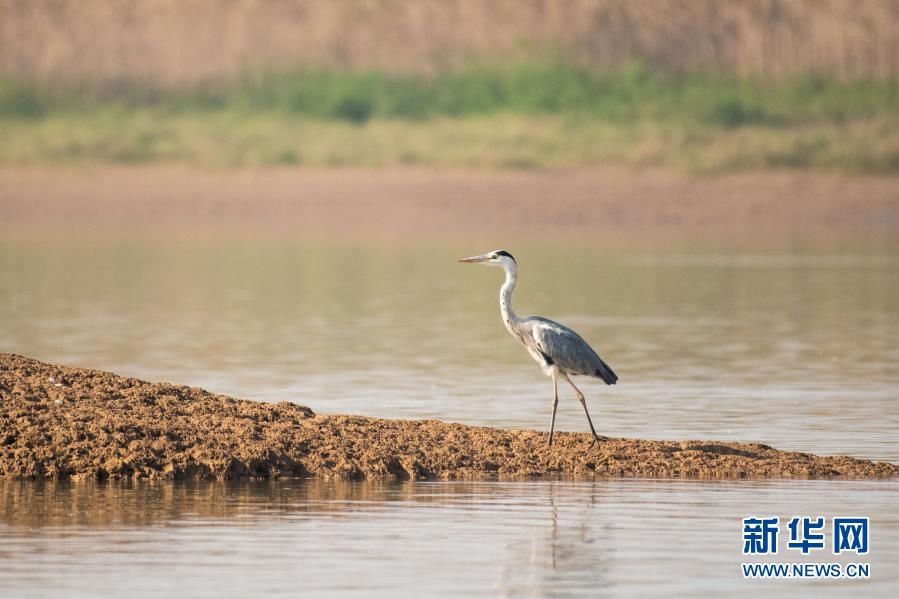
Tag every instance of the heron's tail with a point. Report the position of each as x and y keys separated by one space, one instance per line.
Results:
x=606 y=373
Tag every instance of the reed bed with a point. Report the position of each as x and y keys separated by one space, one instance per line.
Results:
x=182 y=42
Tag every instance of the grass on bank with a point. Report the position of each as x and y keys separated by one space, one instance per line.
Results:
x=521 y=116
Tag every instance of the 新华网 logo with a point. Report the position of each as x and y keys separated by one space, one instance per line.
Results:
x=807 y=535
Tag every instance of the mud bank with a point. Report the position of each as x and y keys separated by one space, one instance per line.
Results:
x=611 y=201
x=68 y=422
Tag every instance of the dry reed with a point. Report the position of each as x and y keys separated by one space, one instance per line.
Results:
x=178 y=42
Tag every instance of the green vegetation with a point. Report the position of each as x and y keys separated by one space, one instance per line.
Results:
x=525 y=115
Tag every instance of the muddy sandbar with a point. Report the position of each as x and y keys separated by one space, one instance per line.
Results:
x=60 y=422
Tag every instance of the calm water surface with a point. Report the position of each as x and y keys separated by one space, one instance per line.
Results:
x=614 y=538
x=793 y=346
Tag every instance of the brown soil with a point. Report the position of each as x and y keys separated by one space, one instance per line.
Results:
x=57 y=421
x=604 y=201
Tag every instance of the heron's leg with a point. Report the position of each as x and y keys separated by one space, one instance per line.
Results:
x=552 y=423
x=583 y=401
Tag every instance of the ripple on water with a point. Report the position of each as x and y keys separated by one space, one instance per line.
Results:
x=278 y=538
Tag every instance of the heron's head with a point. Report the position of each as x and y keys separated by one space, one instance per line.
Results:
x=500 y=258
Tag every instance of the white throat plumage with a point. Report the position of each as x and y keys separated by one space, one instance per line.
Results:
x=505 y=294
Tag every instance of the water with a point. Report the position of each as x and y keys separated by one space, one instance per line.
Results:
x=798 y=348
x=620 y=538
x=793 y=345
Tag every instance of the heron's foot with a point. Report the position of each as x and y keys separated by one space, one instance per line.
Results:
x=549 y=440
x=597 y=439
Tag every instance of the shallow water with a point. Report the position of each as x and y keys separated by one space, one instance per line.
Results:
x=794 y=346
x=621 y=538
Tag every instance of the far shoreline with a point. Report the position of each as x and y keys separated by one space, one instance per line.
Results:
x=606 y=200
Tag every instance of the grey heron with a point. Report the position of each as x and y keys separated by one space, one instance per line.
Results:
x=558 y=350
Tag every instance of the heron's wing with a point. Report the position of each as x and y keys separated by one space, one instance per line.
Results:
x=568 y=350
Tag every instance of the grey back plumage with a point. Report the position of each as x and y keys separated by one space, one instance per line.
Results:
x=559 y=345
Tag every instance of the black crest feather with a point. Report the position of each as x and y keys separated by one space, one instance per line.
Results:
x=505 y=253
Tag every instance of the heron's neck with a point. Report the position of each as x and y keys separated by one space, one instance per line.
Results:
x=505 y=297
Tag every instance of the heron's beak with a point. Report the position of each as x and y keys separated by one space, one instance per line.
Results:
x=475 y=259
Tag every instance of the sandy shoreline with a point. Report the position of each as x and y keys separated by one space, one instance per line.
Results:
x=60 y=422
x=403 y=201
